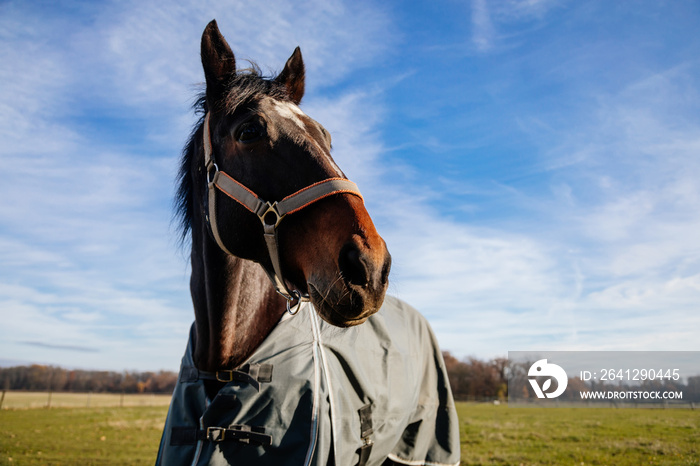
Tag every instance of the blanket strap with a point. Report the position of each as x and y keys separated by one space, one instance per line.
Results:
x=365 y=432
x=251 y=435
x=253 y=374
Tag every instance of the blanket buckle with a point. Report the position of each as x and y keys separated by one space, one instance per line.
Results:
x=224 y=376
x=216 y=434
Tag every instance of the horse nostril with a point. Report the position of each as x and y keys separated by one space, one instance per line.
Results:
x=352 y=267
x=386 y=269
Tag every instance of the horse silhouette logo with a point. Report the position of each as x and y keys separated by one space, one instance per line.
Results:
x=542 y=368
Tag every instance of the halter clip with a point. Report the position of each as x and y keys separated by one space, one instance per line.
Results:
x=297 y=296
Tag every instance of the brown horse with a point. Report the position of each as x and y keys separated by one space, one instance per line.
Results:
x=274 y=223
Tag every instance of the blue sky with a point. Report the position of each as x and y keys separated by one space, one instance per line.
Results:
x=533 y=165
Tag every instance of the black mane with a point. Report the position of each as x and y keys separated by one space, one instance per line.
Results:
x=244 y=87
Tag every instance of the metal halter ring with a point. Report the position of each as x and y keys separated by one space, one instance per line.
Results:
x=211 y=168
x=266 y=217
x=297 y=295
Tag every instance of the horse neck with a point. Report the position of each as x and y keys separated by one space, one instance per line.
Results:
x=235 y=305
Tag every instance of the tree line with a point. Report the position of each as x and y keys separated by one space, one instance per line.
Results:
x=470 y=379
x=473 y=379
x=51 y=378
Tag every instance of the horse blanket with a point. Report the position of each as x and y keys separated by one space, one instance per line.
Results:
x=314 y=394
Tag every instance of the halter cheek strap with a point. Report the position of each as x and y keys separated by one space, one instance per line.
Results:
x=270 y=214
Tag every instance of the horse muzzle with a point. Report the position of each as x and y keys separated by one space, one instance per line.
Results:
x=359 y=287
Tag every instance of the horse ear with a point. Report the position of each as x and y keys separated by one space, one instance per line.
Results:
x=218 y=61
x=292 y=76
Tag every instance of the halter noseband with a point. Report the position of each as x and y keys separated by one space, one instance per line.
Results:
x=269 y=213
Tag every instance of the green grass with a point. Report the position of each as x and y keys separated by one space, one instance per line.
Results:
x=85 y=436
x=491 y=435
x=499 y=435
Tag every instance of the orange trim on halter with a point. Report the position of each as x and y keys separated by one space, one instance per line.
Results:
x=315 y=184
x=239 y=184
x=339 y=191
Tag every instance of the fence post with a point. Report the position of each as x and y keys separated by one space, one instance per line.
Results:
x=48 y=402
x=3 y=398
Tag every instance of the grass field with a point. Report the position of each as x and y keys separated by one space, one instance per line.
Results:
x=578 y=436
x=81 y=436
x=490 y=434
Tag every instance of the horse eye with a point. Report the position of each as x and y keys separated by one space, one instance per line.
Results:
x=250 y=132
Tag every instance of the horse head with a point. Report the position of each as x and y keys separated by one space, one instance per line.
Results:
x=259 y=143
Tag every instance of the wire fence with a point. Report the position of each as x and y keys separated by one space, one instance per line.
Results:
x=11 y=399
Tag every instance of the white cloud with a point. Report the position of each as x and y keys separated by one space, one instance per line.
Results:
x=483 y=33
x=518 y=10
x=630 y=215
x=148 y=51
x=489 y=19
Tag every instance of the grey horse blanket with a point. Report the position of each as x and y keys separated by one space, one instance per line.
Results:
x=314 y=394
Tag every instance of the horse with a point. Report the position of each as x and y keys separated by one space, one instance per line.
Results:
x=296 y=354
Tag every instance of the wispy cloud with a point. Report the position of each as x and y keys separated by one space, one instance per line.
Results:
x=627 y=219
x=484 y=33
x=83 y=349
x=489 y=19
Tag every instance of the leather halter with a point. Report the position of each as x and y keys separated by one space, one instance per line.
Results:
x=270 y=214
